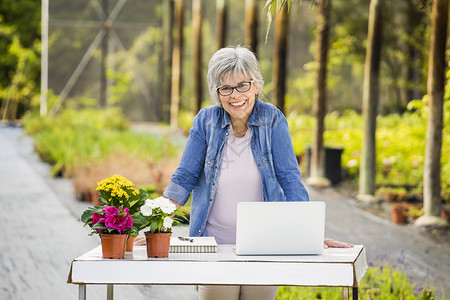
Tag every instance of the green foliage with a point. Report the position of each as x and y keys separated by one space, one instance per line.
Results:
x=379 y=282
x=160 y=215
x=398 y=163
x=19 y=55
x=74 y=138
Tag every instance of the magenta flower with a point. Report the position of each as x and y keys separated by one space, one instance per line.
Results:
x=110 y=211
x=97 y=218
x=119 y=220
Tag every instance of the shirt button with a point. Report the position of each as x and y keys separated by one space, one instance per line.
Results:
x=253 y=148
x=210 y=199
x=226 y=133
x=259 y=165
x=199 y=230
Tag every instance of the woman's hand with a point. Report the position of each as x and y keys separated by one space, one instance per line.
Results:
x=140 y=240
x=178 y=205
x=330 y=243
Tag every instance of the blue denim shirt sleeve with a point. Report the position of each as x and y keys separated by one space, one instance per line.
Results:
x=191 y=165
x=285 y=162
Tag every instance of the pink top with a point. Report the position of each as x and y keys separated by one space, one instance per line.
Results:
x=239 y=181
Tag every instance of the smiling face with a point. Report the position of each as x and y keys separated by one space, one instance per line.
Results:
x=238 y=105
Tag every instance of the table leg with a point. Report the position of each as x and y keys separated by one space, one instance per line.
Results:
x=82 y=291
x=110 y=292
x=345 y=293
x=355 y=293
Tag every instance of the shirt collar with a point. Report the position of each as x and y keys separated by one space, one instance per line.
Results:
x=253 y=120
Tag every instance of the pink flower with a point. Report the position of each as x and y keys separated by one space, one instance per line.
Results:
x=110 y=211
x=97 y=218
x=119 y=220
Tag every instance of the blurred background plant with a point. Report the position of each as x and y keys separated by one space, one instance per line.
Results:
x=89 y=144
x=383 y=282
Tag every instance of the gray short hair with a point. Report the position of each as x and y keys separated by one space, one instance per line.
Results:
x=232 y=61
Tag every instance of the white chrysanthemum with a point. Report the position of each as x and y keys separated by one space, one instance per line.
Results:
x=168 y=207
x=168 y=222
x=157 y=202
x=146 y=209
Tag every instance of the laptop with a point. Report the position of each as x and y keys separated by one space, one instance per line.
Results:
x=280 y=228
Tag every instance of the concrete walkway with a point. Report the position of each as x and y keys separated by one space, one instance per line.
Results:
x=41 y=235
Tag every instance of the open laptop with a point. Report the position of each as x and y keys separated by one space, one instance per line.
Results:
x=280 y=228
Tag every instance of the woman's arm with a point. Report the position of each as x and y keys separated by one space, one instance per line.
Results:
x=330 y=243
x=192 y=163
x=285 y=162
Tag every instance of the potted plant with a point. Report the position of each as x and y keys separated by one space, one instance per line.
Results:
x=160 y=216
x=118 y=217
x=399 y=212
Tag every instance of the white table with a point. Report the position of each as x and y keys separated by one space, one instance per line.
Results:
x=336 y=267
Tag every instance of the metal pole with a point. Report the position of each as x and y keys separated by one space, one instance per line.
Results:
x=110 y=292
x=44 y=58
x=82 y=291
x=345 y=293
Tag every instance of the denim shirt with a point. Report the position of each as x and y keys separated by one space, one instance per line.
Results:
x=199 y=168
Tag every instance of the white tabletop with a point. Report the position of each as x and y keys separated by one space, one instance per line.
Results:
x=335 y=267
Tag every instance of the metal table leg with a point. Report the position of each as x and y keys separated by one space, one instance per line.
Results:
x=355 y=293
x=82 y=291
x=110 y=292
x=345 y=293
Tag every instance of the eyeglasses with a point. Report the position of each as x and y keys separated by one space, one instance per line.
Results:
x=241 y=87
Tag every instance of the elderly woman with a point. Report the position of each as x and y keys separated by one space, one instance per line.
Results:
x=238 y=150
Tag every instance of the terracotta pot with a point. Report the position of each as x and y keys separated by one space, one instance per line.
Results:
x=445 y=213
x=398 y=213
x=130 y=243
x=158 y=244
x=113 y=245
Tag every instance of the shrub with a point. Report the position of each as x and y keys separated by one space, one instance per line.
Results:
x=74 y=139
x=382 y=282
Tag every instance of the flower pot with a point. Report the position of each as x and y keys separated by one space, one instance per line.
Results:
x=130 y=243
x=445 y=212
x=113 y=245
x=398 y=213
x=158 y=244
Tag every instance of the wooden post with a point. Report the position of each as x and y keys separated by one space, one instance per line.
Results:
x=168 y=11
x=251 y=25
x=44 y=57
x=367 y=173
x=176 y=63
x=280 y=56
x=104 y=56
x=435 y=87
x=317 y=169
x=221 y=23
x=197 y=55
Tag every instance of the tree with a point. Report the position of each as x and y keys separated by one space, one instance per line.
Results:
x=221 y=23
x=168 y=11
x=19 y=56
x=280 y=57
x=370 y=101
x=197 y=31
x=176 y=63
x=251 y=25
x=317 y=171
x=435 y=91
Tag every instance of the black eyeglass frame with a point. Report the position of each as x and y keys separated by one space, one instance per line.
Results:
x=235 y=88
